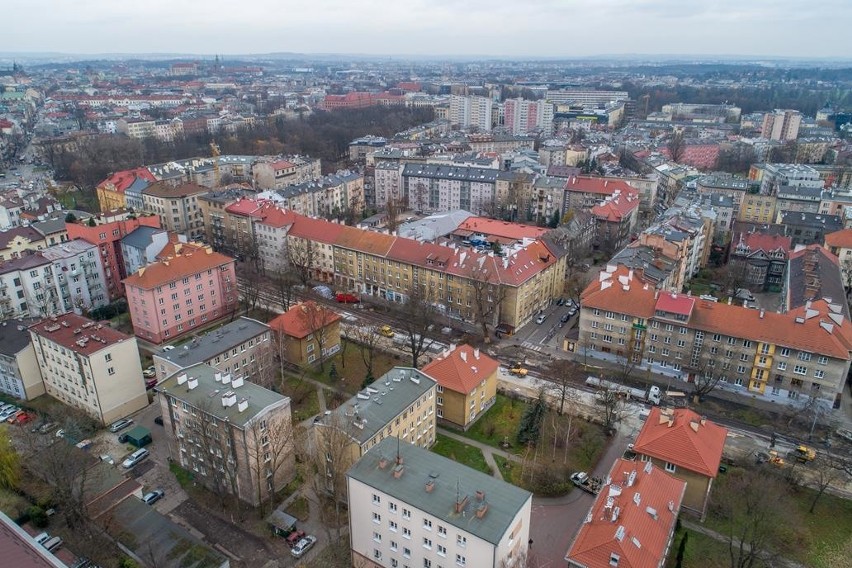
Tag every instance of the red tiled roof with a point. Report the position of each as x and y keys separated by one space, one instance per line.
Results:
x=120 y=181
x=632 y=519
x=515 y=231
x=603 y=186
x=766 y=242
x=462 y=370
x=617 y=207
x=607 y=293
x=839 y=239
x=69 y=328
x=680 y=438
x=675 y=303
x=282 y=165
x=296 y=322
x=247 y=207
x=189 y=259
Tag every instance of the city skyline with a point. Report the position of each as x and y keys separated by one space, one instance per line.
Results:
x=538 y=28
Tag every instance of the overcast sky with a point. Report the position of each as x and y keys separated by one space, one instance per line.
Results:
x=552 y=28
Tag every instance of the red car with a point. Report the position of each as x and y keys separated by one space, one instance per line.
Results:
x=347 y=298
x=22 y=418
x=295 y=537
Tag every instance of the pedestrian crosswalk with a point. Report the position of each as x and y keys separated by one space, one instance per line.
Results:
x=530 y=346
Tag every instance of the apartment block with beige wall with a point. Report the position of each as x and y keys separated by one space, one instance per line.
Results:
x=89 y=366
x=780 y=357
x=305 y=333
x=20 y=376
x=467 y=384
x=234 y=435
x=243 y=347
x=177 y=207
x=399 y=404
x=411 y=507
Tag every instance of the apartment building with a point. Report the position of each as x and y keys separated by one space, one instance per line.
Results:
x=687 y=446
x=410 y=507
x=757 y=208
x=781 y=357
x=467 y=384
x=20 y=376
x=18 y=241
x=235 y=436
x=525 y=117
x=80 y=274
x=140 y=247
x=107 y=235
x=332 y=195
x=584 y=192
x=111 y=192
x=730 y=186
x=181 y=293
x=840 y=245
x=761 y=259
x=279 y=173
x=434 y=188
x=243 y=348
x=772 y=176
x=808 y=228
x=617 y=216
x=781 y=125
x=471 y=111
x=305 y=331
x=387 y=183
x=632 y=520
x=270 y=234
x=585 y=97
x=177 y=207
x=89 y=366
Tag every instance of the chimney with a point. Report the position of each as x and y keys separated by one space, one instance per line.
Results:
x=181 y=378
x=383 y=462
x=762 y=312
x=481 y=510
x=398 y=470
x=192 y=383
x=218 y=377
x=463 y=356
x=242 y=405
x=461 y=503
x=229 y=399
x=226 y=378
x=476 y=353
x=430 y=485
x=703 y=420
x=480 y=495
x=237 y=382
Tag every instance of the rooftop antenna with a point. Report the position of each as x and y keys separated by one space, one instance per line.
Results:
x=398 y=458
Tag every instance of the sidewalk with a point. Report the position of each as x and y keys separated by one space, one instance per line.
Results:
x=487 y=451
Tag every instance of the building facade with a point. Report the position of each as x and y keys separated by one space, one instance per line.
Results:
x=20 y=376
x=467 y=384
x=89 y=366
x=412 y=507
x=177 y=207
x=306 y=333
x=181 y=293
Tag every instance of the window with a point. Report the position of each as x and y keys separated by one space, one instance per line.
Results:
x=427 y=543
x=442 y=550
x=800 y=370
x=111 y=370
x=406 y=514
x=377 y=518
x=613 y=559
x=377 y=554
x=670 y=467
x=392 y=525
x=393 y=547
x=823 y=360
x=442 y=530
x=377 y=536
x=782 y=365
x=391 y=506
x=460 y=560
x=804 y=356
x=108 y=357
x=376 y=499
x=819 y=374
x=406 y=533
x=427 y=563
x=461 y=540
x=406 y=552
x=784 y=352
x=427 y=524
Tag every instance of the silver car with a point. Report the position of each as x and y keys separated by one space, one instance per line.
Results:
x=303 y=546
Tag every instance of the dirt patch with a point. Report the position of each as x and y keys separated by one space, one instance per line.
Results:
x=251 y=549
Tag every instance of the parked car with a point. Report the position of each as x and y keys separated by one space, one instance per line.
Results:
x=42 y=538
x=153 y=496
x=122 y=438
x=540 y=319
x=52 y=544
x=844 y=434
x=560 y=302
x=347 y=298
x=294 y=537
x=149 y=372
x=168 y=347
x=46 y=427
x=60 y=433
x=22 y=417
x=565 y=317
x=303 y=546
x=135 y=458
x=120 y=424
x=108 y=459
x=150 y=383
x=386 y=331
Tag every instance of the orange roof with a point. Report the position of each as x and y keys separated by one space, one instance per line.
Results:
x=120 y=181
x=839 y=239
x=633 y=517
x=190 y=259
x=675 y=304
x=617 y=207
x=684 y=439
x=608 y=293
x=168 y=191
x=318 y=230
x=364 y=241
x=297 y=321
x=765 y=242
x=515 y=231
x=462 y=369
x=247 y=207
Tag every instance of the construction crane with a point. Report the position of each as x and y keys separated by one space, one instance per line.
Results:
x=214 y=152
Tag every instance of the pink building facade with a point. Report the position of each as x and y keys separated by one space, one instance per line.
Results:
x=181 y=293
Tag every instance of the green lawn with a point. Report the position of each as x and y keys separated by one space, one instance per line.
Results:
x=819 y=533
x=350 y=368
x=461 y=452
x=183 y=476
x=303 y=398
x=701 y=551
x=499 y=423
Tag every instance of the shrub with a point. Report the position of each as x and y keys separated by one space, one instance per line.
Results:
x=37 y=516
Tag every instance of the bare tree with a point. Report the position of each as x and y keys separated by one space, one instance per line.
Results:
x=302 y=258
x=751 y=506
x=701 y=371
x=564 y=375
x=830 y=468
x=318 y=321
x=610 y=405
x=415 y=316
x=366 y=338
x=486 y=295
x=270 y=454
x=393 y=208
x=284 y=284
x=676 y=146
x=249 y=284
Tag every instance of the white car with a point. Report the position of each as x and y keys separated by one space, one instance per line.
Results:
x=303 y=546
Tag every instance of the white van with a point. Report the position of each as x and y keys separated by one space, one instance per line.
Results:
x=52 y=544
x=135 y=458
x=540 y=319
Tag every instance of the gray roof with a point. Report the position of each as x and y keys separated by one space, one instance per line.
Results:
x=452 y=481
x=141 y=236
x=24 y=263
x=434 y=226
x=207 y=396
x=50 y=226
x=68 y=249
x=464 y=173
x=815 y=267
x=14 y=335
x=828 y=223
x=799 y=192
x=656 y=266
x=374 y=407
x=205 y=347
